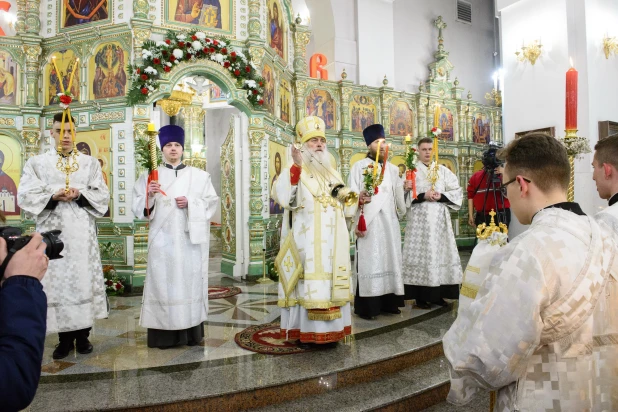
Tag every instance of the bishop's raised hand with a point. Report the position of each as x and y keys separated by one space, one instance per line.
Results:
x=297 y=156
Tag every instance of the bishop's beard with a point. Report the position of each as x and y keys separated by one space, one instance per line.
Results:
x=319 y=162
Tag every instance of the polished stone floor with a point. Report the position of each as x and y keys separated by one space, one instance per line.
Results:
x=120 y=342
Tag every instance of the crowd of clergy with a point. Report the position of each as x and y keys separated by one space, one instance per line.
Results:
x=540 y=327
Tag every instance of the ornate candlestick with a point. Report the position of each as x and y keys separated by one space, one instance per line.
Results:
x=152 y=148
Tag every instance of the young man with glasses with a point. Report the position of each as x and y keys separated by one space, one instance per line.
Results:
x=539 y=330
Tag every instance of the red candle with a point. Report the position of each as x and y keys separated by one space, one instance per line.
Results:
x=571 y=99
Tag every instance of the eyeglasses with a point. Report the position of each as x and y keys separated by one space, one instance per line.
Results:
x=504 y=185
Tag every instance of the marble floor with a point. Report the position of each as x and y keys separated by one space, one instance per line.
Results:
x=120 y=342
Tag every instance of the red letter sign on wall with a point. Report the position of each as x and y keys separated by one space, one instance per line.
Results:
x=316 y=66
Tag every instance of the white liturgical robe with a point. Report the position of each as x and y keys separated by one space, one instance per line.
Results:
x=378 y=253
x=543 y=329
x=176 y=286
x=74 y=284
x=430 y=256
x=318 y=307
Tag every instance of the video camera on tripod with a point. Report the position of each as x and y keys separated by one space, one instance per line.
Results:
x=493 y=182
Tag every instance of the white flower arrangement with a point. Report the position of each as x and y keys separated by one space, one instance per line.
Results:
x=200 y=35
x=181 y=37
x=576 y=146
x=161 y=44
x=196 y=45
x=146 y=54
x=150 y=70
x=178 y=54
x=251 y=83
x=219 y=58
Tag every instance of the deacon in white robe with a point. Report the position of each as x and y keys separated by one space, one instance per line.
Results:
x=542 y=328
x=431 y=264
x=180 y=206
x=74 y=285
x=379 y=281
x=315 y=278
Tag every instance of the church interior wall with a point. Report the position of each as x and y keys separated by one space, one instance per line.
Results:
x=471 y=46
x=376 y=42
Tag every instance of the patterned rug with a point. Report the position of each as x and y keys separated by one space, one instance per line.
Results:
x=266 y=339
x=220 y=292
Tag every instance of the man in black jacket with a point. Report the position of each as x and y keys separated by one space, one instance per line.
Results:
x=23 y=312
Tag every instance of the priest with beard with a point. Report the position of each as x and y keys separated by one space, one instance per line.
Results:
x=315 y=298
x=379 y=286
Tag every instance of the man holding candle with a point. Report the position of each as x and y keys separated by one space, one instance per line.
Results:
x=179 y=206
x=431 y=264
x=379 y=282
x=74 y=284
x=542 y=327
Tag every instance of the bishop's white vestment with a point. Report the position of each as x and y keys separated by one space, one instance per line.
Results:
x=430 y=256
x=316 y=307
x=74 y=285
x=543 y=327
x=176 y=286
x=378 y=253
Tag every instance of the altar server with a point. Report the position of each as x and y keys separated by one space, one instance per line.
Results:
x=605 y=175
x=74 y=284
x=542 y=327
x=180 y=206
x=431 y=264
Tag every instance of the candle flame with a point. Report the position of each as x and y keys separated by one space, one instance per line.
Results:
x=571 y=61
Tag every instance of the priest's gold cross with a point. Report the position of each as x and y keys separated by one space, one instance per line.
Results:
x=288 y=263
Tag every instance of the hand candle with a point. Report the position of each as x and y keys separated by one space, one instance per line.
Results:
x=384 y=161
x=75 y=68
x=151 y=127
x=375 y=168
x=436 y=116
x=408 y=139
x=571 y=99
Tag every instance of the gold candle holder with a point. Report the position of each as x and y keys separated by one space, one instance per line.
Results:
x=571 y=134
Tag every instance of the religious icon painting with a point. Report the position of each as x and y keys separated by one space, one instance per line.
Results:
x=107 y=69
x=269 y=88
x=402 y=119
x=277 y=155
x=276 y=29
x=448 y=163
x=79 y=13
x=446 y=124
x=8 y=79
x=217 y=95
x=320 y=103
x=57 y=82
x=363 y=113
x=208 y=15
x=98 y=143
x=285 y=101
x=7 y=24
x=10 y=172
x=400 y=162
x=481 y=129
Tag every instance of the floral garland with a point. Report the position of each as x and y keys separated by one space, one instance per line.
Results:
x=436 y=132
x=65 y=99
x=161 y=56
x=113 y=284
x=411 y=157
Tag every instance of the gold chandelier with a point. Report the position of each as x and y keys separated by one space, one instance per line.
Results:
x=171 y=105
x=610 y=45
x=530 y=53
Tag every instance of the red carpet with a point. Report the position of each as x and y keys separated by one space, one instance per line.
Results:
x=266 y=339
x=220 y=292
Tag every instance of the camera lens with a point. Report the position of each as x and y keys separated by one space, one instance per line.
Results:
x=54 y=244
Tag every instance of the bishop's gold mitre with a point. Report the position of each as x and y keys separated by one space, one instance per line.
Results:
x=309 y=127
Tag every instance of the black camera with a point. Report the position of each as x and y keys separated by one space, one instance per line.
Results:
x=490 y=162
x=15 y=241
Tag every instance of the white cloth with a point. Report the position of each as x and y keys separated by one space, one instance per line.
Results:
x=610 y=217
x=543 y=328
x=321 y=235
x=176 y=286
x=378 y=253
x=74 y=284
x=430 y=256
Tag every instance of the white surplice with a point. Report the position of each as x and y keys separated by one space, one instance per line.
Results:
x=543 y=328
x=378 y=253
x=74 y=284
x=321 y=235
x=176 y=286
x=430 y=256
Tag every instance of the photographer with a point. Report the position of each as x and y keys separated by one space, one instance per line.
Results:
x=23 y=310
x=484 y=193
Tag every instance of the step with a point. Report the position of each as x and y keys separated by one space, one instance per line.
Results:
x=479 y=404
x=411 y=389
x=254 y=380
